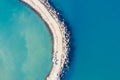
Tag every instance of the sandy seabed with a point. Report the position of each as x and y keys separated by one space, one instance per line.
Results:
x=58 y=32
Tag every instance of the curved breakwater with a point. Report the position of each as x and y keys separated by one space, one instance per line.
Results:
x=59 y=34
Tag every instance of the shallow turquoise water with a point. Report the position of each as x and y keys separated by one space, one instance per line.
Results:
x=95 y=28
x=25 y=43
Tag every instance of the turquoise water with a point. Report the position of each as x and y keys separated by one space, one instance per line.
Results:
x=95 y=28
x=25 y=43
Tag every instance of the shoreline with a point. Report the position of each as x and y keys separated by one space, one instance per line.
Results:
x=59 y=36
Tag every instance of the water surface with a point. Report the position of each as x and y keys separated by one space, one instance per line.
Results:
x=25 y=43
x=95 y=28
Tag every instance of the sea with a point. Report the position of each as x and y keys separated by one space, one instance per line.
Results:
x=26 y=44
x=95 y=38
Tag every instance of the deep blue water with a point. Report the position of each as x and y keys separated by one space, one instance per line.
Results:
x=95 y=30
